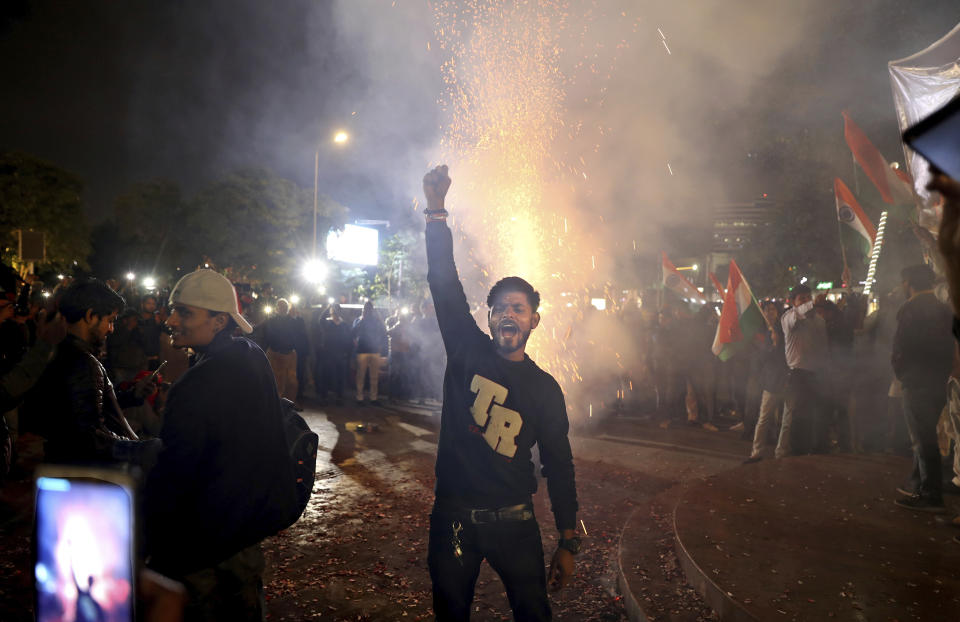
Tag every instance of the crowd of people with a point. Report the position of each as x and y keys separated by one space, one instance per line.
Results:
x=165 y=384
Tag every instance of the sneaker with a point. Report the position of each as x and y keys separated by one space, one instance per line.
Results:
x=906 y=492
x=921 y=503
x=753 y=459
x=737 y=428
x=711 y=427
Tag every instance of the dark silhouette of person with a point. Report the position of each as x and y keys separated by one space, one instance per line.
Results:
x=88 y=609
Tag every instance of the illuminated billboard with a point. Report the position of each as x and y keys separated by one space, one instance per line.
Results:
x=355 y=244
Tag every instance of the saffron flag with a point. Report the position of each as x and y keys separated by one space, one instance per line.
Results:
x=676 y=282
x=717 y=285
x=740 y=318
x=851 y=214
x=889 y=182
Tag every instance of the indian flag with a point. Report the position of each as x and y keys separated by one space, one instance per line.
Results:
x=673 y=280
x=851 y=214
x=894 y=185
x=740 y=319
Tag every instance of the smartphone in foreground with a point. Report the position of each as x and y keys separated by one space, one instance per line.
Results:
x=84 y=545
x=937 y=138
x=156 y=372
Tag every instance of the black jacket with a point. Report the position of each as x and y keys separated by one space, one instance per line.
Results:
x=922 y=348
x=214 y=490
x=494 y=410
x=74 y=406
x=284 y=334
x=337 y=340
x=371 y=335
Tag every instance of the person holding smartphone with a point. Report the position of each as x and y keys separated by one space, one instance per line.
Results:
x=497 y=404
x=74 y=405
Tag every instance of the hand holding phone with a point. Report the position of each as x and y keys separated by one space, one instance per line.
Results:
x=83 y=545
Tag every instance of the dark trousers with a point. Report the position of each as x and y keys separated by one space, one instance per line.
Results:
x=512 y=548
x=921 y=411
x=400 y=375
x=330 y=373
x=231 y=590
x=804 y=406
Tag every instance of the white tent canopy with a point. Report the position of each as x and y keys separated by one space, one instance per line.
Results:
x=923 y=83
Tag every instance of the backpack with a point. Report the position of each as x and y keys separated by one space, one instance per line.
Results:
x=302 y=445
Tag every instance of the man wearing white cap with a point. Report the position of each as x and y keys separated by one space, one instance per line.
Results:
x=214 y=493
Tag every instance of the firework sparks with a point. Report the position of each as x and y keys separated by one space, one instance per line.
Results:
x=504 y=99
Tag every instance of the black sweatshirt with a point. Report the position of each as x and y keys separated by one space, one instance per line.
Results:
x=494 y=410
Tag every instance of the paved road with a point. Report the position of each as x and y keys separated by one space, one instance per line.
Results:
x=359 y=551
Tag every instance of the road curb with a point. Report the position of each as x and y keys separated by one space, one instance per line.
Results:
x=726 y=607
x=631 y=604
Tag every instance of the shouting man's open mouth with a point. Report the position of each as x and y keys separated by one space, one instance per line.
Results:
x=509 y=337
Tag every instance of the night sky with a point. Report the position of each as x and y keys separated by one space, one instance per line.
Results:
x=121 y=92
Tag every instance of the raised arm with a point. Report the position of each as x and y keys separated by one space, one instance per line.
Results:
x=457 y=326
x=795 y=314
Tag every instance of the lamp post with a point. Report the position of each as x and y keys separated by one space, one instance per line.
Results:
x=340 y=137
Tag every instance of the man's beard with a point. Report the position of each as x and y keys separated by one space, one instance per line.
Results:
x=508 y=348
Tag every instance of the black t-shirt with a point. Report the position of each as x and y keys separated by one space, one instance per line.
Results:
x=494 y=410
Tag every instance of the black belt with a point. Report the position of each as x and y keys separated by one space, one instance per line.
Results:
x=479 y=516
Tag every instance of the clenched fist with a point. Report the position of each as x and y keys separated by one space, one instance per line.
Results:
x=435 y=186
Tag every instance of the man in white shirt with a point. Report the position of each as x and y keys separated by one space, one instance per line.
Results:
x=805 y=341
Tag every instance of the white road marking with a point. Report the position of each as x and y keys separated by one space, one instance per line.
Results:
x=412 y=429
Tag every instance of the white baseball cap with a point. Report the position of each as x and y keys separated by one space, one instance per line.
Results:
x=209 y=290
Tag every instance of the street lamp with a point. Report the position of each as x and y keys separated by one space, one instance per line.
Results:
x=314 y=271
x=340 y=137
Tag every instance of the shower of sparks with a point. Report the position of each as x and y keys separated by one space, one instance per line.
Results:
x=670 y=168
x=664 y=42
x=504 y=101
x=584 y=528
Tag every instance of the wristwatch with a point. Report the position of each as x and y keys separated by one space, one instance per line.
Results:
x=570 y=544
x=435 y=214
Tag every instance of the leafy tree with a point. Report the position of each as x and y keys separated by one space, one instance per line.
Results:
x=41 y=196
x=401 y=272
x=150 y=219
x=257 y=223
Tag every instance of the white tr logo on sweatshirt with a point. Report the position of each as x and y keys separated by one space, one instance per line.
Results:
x=502 y=424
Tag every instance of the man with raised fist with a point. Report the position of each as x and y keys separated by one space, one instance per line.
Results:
x=496 y=405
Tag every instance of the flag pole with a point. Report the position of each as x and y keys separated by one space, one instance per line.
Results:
x=856 y=178
x=843 y=250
